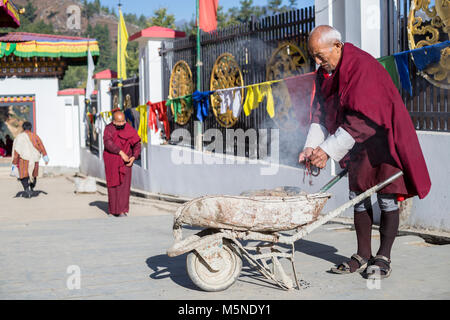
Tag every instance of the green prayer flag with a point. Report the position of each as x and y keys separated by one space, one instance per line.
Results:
x=177 y=105
x=389 y=64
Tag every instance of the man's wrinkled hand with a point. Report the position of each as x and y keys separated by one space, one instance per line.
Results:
x=124 y=156
x=319 y=158
x=130 y=163
x=305 y=154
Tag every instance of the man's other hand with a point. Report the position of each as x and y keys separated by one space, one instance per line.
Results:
x=130 y=163
x=124 y=156
x=305 y=154
x=319 y=158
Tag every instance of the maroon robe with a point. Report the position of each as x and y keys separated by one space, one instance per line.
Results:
x=360 y=97
x=118 y=175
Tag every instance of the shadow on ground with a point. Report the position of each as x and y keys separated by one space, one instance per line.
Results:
x=102 y=205
x=36 y=193
x=319 y=250
x=174 y=268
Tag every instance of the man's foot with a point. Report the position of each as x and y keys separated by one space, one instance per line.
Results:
x=122 y=215
x=380 y=267
x=356 y=264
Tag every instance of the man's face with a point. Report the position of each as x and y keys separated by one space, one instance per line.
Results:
x=119 y=119
x=326 y=55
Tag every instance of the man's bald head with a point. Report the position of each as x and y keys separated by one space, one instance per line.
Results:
x=325 y=46
x=119 y=116
x=119 y=119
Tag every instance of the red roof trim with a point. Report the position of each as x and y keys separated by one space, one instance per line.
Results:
x=157 y=32
x=74 y=92
x=105 y=74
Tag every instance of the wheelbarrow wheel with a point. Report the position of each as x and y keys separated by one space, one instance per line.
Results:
x=210 y=280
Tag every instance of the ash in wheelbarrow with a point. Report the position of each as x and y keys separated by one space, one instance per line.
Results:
x=215 y=254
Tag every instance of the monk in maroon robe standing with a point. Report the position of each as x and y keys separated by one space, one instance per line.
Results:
x=360 y=120
x=122 y=148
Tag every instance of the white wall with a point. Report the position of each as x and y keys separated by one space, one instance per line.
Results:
x=359 y=21
x=56 y=123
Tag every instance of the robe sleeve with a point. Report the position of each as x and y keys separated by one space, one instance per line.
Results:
x=109 y=144
x=15 y=160
x=40 y=146
x=137 y=150
x=358 y=126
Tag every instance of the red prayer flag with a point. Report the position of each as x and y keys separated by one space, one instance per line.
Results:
x=208 y=15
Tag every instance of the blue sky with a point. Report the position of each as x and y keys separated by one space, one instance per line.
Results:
x=182 y=9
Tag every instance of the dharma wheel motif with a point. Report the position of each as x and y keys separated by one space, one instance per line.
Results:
x=225 y=74
x=427 y=26
x=286 y=61
x=181 y=84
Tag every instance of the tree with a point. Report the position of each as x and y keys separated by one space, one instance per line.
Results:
x=161 y=18
x=30 y=13
x=132 y=59
x=292 y=4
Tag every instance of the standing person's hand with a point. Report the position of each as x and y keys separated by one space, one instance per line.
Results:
x=305 y=154
x=46 y=160
x=319 y=158
x=130 y=163
x=124 y=156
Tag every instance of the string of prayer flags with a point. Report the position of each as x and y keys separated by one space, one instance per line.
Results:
x=389 y=64
x=256 y=94
x=91 y=117
x=177 y=105
x=401 y=59
x=152 y=117
x=201 y=103
x=230 y=99
x=143 y=127
x=427 y=55
x=158 y=111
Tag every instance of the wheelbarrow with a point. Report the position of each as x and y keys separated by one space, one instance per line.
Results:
x=273 y=219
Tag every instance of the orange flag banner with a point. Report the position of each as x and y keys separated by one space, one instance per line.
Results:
x=208 y=15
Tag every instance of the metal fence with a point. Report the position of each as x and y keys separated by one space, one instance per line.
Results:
x=428 y=105
x=252 y=45
x=130 y=93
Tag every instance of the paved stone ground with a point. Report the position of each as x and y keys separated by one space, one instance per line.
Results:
x=124 y=258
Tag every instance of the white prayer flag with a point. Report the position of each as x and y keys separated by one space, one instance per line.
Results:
x=90 y=86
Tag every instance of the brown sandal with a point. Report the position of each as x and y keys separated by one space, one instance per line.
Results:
x=377 y=272
x=344 y=268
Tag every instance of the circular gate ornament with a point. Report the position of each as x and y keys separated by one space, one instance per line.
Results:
x=181 y=84
x=225 y=74
x=428 y=25
x=286 y=61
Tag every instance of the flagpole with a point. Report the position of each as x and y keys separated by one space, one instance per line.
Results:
x=199 y=76
x=119 y=45
x=199 y=63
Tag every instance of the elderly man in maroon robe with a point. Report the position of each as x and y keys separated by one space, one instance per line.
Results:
x=122 y=148
x=359 y=119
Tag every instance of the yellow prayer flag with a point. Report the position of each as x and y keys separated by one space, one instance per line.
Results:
x=122 y=41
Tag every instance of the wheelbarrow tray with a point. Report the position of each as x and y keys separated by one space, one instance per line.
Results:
x=254 y=213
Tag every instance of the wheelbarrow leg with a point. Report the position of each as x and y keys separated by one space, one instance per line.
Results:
x=293 y=266
x=256 y=264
